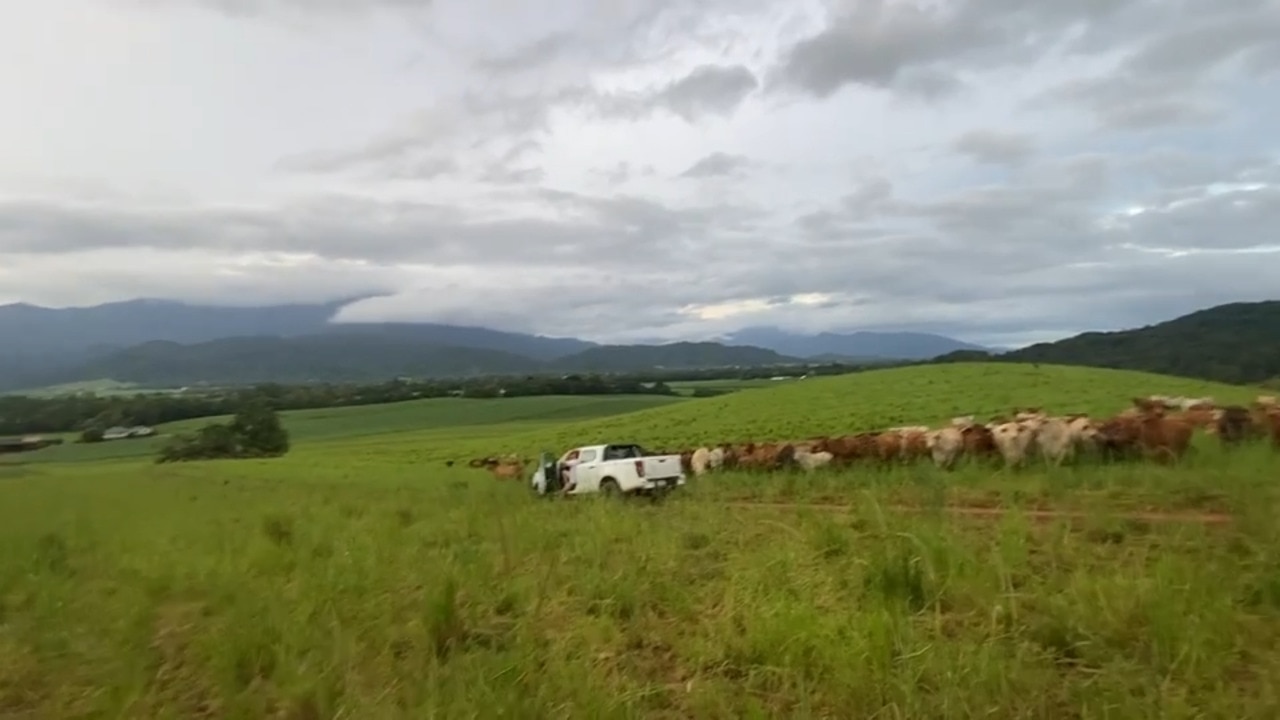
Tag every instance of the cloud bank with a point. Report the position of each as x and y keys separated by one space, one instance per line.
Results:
x=1002 y=172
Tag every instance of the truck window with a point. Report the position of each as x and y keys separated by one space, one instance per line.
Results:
x=588 y=456
x=623 y=452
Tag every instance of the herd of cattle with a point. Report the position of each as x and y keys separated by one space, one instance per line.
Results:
x=1157 y=427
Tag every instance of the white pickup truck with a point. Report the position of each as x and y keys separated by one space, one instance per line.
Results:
x=608 y=469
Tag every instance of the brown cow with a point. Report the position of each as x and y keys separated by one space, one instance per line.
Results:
x=979 y=442
x=915 y=444
x=771 y=456
x=888 y=446
x=1117 y=438
x=847 y=448
x=1234 y=425
x=1164 y=439
x=686 y=462
x=1202 y=416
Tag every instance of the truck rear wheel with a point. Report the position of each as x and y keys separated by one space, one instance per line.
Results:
x=609 y=488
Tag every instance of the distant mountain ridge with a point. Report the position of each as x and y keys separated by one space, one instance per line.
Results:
x=151 y=341
x=897 y=345
x=154 y=342
x=370 y=357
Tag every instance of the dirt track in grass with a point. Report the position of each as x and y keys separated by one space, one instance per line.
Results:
x=1203 y=518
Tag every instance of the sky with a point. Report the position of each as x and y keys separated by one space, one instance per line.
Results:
x=998 y=171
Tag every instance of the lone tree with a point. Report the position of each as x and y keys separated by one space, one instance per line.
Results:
x=254 y=432
x=259 y=430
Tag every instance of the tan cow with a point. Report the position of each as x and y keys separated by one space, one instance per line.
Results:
x=809 y=460
x=945 y=446
x=1013 y=440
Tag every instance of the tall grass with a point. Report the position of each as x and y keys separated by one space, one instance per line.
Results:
x=310 y=587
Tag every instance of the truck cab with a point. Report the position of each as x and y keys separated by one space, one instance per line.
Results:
x=613 y=468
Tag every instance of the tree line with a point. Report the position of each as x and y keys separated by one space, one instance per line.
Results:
x=94 y=413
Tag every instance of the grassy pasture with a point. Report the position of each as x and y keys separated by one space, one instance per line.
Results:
x=98 y=387
x=870 y=400
x=426 y=416
x=359 y=577
x=688 y=387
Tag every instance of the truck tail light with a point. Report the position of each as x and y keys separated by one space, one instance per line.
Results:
x=640 y=468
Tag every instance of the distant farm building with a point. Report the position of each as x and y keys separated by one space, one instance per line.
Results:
x=26 y=443
x=125 y=433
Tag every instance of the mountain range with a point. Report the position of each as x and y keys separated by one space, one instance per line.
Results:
x=162 y=343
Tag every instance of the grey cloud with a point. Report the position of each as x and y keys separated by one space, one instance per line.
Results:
x=1223 y=220
x=708 y=90
x=705 y=90
x=1053 y=244
x=310 y=8
x=622 y=172
x=856 y=219
x=869 y=45
x=869 y=197
x=993 y=147
x=357 y=229
x=1206 y=44
x=530 y=56
x=717 y=164
x=928 y=83
x=191 y=275
x=428 y=145
x=1043 y=250
x=880 y=43
x=1168 y=78
x=510 y=167
x=502 y=175
x=622 y=34
x=1170 y=46
x=432 y=139
x=1136 y=103
x=434 y=136
x=422 y=168
x=1172 y=167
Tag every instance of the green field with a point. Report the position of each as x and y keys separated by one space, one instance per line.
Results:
x=360 y=577
x=421 y=416
x=97 y=387
x=871 y=400
x=688 y=387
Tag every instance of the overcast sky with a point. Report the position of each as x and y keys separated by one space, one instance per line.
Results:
x=997 y=170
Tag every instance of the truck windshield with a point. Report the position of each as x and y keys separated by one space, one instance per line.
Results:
x=623 y=452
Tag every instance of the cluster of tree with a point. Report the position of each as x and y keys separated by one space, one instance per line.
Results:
x=89 y=413
x=254 y=432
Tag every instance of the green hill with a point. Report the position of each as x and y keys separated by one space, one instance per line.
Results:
x=1239 y=343
x=926 y=394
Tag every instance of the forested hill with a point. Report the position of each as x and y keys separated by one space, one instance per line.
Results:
x=1235 y=343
